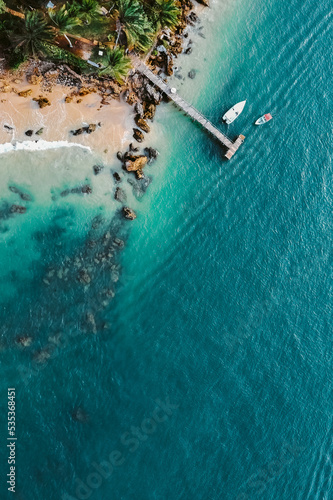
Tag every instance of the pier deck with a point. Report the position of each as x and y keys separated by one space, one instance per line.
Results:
x=232 y=147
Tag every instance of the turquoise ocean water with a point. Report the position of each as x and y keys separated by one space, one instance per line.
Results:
x=222 y=312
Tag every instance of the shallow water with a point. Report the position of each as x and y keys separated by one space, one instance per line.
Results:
x=224 y=299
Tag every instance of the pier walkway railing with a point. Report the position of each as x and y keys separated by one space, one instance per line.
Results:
x=189 y=109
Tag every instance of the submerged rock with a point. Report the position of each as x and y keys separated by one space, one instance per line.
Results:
x=84 y=277
x=120 y=195
x=98 y=169
x=129 y=213
x=86 y=189
x=42 y=356
x=80 y=415
x=118 y=243
x=192 y=74
x=91 y=323
x=22 y=195
x=24 y=341
x=18 y=209
x=120 y=156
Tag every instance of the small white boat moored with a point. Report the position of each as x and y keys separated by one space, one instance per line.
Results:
x=263 y=119
x=233 y=112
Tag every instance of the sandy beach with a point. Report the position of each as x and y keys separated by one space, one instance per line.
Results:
x=19 y=114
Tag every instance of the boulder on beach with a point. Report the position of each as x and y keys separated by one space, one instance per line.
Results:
x=136 y=163
x=91 y=128
x=42 y=101
x=138 y=135
x=25 y=93
x=29 y=133
x=129 y=213
x=204 y=2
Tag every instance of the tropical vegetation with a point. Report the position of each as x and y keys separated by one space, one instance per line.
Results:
x=119 y=26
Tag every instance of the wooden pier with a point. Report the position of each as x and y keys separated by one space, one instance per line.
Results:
x=190 y=110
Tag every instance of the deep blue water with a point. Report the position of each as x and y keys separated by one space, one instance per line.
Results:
x=224 y=302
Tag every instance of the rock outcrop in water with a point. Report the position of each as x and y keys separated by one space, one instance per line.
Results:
x=136 y=163
x=138 y=135
x=129 y=213
x=141 y=123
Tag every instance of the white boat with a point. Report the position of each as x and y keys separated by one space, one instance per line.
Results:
x=264 y=119
x=234 y=112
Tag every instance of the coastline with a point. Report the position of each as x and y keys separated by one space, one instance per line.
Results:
x=59 y=118
x=108 y=107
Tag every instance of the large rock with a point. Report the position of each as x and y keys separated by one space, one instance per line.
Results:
x=204 y=2
x=129 y=213
x=142 y=123
x=137 y=164
x=150 y=110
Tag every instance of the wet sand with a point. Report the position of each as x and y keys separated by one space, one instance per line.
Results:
x=60 y=118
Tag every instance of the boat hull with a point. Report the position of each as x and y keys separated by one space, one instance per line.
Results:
x=233 y=112
x=263 y=119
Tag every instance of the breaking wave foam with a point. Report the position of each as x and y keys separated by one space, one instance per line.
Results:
x=39 y=145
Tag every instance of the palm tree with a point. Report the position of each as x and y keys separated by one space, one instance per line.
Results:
x=65 y=20
x=166 y=13
x=132 y=20
x=31 y=33
x=88 y=10
x=115 y=64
